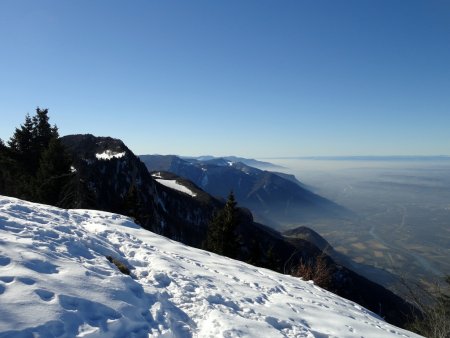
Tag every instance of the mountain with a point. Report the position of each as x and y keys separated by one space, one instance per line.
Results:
x=109 y=177
x=248 y=161
x=373 y=273
x=275 y=199
x=60 y=276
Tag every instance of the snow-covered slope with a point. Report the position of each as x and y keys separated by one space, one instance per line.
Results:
x=55 y=281
x=173 y=184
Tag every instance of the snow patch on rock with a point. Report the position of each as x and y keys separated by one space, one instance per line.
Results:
x=173 y=184
x=109 y=154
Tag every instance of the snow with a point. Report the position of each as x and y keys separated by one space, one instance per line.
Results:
x=109 y=154
x=173 y=184
x=157 y=175
x=55 y=281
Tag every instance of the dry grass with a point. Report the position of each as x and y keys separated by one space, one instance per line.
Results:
x=122 y=267
x=317 y=271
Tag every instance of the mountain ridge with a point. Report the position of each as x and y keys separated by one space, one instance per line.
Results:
x=275 y=198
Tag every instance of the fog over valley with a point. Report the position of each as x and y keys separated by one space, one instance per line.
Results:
x=401 y=207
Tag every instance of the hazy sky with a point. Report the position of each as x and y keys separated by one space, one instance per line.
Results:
x=251 y=78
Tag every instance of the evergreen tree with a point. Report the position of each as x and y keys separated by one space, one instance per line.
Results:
x=255 y=253
x=22 y=146
x=31 y=139
x=76 y=194
x=273 y=262
x=131 y=205
x=222 y=237
x=34 y=166
x=53 y=173
x=4 y=172
x=43 y=131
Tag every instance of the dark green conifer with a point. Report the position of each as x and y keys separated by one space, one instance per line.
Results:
x=34 y=166
x=222 y=238
x=53 y=173
x=44 y=132
x=255 y=253
x=22 y=146
x=131 y=205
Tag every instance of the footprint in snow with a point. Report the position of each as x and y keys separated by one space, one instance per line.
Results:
x=190 y=287
x=41 y=266
x=45 y=295
x=278 y=324
x=219 y=300
x=93 y=313
x=351 y=329
x=162 y=279
x=7 y=279
x=26 y=280
x=4 y=261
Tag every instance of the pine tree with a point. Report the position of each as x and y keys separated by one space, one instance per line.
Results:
x=34 y=166
x=76 y=194
x=22 y=146
x=31 y=139
x=53 y=173
x=131 y=205
x=273 y=262
x=255 y=253
x=222 y=237
x=44 y=132
x=4 y=169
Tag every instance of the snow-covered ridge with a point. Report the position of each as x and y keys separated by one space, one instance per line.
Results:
x=109 y=154
x=173 y=184
x=55 y=281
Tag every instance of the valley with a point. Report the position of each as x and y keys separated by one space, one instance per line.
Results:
x=402 y=208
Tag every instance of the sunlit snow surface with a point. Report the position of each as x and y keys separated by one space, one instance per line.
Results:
x=109 y=154
x=157 y=175
x=56 y=282
x=173 y=184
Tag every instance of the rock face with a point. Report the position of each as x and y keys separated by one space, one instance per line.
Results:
x=274 y=198
x=109 y=177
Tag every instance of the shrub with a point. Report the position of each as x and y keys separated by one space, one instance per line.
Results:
x=432 y=317
x=121 y=266
x=317 y=271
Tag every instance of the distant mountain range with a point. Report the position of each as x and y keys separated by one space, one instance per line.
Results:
x=248 y=161
x=276 y=199
x=401 y=158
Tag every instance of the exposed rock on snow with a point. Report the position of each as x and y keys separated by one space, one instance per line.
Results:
x=55 y=281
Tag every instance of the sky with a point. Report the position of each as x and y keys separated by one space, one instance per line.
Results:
x=253 y=78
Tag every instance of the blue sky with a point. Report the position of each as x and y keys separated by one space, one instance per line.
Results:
x=250 y=78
